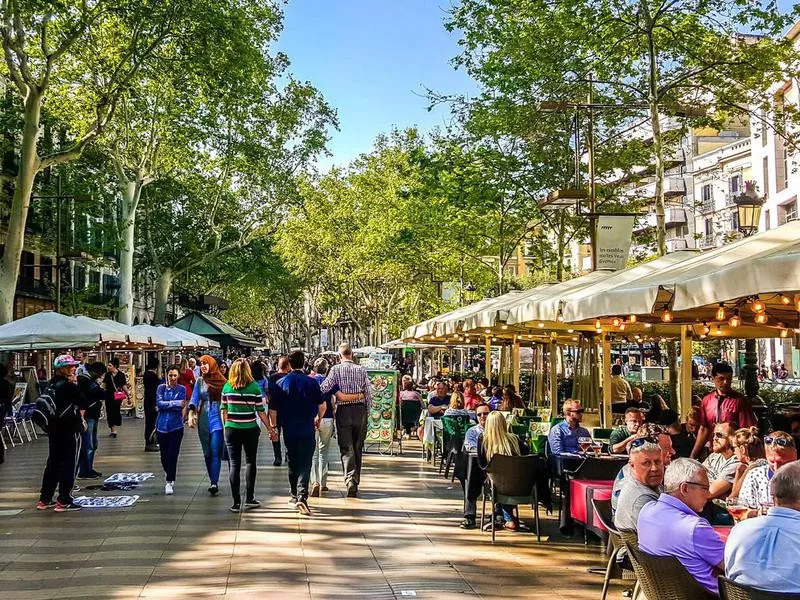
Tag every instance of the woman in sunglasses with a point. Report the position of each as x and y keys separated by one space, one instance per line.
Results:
x=780 y=450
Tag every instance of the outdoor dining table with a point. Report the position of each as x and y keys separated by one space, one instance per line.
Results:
x=567 y=463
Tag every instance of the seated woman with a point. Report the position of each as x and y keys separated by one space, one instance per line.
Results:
x=411 y=406
x=496 y=398
x=511 y=399
x=749 y=450
x=496 y=439
x=456 y=408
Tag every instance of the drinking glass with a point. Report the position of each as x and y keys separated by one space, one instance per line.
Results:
x=584 y=443
x=736 y=508
x=597 y=447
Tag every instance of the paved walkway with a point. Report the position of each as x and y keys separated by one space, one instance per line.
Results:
x=400 y=539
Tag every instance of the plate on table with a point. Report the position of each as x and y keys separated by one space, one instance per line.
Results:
x=379 y=383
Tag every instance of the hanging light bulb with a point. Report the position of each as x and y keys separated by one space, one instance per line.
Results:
x=560 y=316
x=666 y=317
x=648 y=325
x=597 y=324
x=718 y=331
x=761 y=318
x=785 y=299
x=540 y=325
x=784 y=333
x=570 y=331
x=615 y=321
x=757 y=305
x=622 y=326
x=504 y=326
x=632 y=319
x=735 y=321
x=706 y=328
x=721 y=312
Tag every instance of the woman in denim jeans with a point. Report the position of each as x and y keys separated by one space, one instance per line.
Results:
x=89 y=384
x=204 y=414
x=170 y=402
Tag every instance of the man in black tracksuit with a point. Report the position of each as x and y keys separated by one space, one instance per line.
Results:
x=63 y=438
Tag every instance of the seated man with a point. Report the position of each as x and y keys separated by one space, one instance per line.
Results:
x=722 y=462
x=779 y=449
x=473 y=487
x=474 y=432
x=763 y=552
x=644 y=484
x=563 y=437
x=673 y=527
x=439 y=400
x=624 y=475
x=622 y=436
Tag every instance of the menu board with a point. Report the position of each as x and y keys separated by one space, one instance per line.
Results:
x=381 y=417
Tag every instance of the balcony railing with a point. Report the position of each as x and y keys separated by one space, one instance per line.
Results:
x=708 y=241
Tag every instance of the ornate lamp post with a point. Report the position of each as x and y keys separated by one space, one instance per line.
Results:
x=748 y=208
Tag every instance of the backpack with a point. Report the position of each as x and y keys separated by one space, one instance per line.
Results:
x=46 y=414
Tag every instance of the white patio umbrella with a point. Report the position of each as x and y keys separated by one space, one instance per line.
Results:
x=50 y=330
x=367 y=350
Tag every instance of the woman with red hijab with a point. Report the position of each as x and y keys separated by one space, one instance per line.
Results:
x=204 y=414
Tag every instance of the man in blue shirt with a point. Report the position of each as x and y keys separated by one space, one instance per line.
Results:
x=564 y=436
x=297 y=400
x=762 y=552
x=473 y=433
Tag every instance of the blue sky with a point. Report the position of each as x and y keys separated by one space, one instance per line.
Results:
x=372 y=60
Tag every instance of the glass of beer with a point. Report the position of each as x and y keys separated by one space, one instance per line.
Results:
x=736 y=508
x=584 y=443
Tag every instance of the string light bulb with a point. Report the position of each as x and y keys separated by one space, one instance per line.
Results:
x=597 y=324
x=616 y=321
x=632 y=318
x=758 y=306
x=785 y=299
x=735 y=320
x=540 y=325
x=784 y=332
x=622 y=326
x=667 y=317
x=706 y=328
x=718 y=331
x=761 y=318
x=721 y=312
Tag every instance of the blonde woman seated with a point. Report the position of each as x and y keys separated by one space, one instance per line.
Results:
x=456 y=408
x=496 y=439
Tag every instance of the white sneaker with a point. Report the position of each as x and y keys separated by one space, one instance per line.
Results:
x=169 y=489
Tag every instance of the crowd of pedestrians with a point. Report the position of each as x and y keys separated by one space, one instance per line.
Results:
x=228 y=402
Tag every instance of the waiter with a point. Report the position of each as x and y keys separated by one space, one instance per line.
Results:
x=352 y=404
x=723 y=405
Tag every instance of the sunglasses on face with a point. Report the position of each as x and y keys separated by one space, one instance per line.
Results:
x=643 y=440
x=780 y=442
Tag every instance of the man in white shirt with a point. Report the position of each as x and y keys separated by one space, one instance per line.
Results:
x=763 y=552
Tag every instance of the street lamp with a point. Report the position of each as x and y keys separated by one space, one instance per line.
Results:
x=748 y=207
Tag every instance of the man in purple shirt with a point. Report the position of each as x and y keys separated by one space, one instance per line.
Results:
x=672 y=527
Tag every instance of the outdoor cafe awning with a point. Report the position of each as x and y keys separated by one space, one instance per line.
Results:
x=766 y=265
x=177 y=338
x=49 y=330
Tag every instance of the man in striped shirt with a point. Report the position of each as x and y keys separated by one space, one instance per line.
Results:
x=353 y=400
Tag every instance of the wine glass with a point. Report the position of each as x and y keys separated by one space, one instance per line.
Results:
x=597 y=447
x=736 y=508
x=584 y=443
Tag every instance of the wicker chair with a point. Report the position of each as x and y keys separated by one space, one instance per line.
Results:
x=662 y=577
x=614 y=570
x=730 y=590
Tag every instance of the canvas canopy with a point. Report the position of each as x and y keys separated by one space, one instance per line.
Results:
x=134 y=338
x=176 y=338
x=367 y=350
x=766 y=263
x=53 y=331
x=430 y=326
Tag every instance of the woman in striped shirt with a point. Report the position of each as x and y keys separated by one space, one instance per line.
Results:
x=242 y=406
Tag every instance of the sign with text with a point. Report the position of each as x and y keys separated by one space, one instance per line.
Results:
x=613 y=241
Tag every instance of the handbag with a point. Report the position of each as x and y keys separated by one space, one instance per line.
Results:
x=119 y=395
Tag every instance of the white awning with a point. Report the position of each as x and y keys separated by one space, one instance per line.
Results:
x=53 y=331
x=766 y=263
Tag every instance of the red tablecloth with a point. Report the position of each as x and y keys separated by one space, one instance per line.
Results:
x=581 y=492
x=723 y=532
